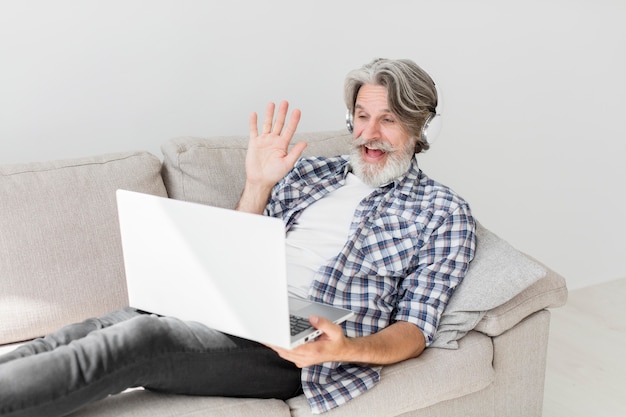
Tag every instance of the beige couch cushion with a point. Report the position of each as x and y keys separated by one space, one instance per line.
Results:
x=548 y=292
x=140 y=403
x=498 y=273
x=432 y=377
x=56 y=215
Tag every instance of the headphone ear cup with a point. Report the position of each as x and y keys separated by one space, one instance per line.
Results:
x=432 y=127
x=349 y=121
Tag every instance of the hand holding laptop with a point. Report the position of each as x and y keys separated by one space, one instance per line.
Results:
x=330 y=346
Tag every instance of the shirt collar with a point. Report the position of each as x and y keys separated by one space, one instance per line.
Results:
x=407 y=182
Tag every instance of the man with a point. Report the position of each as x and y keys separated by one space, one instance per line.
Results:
x=369 y=232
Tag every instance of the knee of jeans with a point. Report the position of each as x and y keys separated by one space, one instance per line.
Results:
x=149 y=332
x=167 y=334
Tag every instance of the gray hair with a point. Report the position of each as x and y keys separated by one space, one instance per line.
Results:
x=411 y=92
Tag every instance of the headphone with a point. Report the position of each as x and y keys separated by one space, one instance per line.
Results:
x=431 y=127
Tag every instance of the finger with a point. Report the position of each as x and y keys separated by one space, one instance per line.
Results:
x=281 y=351
x=326 y=326
x=280 y=117
x=292 y=125
x=286 y=355
x=269 y=118
x=254 y=129
x=295 y=153
x=316 y=321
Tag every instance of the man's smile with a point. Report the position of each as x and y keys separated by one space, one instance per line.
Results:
x=373 y=155
x=374 y=151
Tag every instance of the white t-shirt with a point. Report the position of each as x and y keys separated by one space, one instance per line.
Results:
x=320 y=233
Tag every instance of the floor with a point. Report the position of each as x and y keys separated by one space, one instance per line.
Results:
x=586 y=372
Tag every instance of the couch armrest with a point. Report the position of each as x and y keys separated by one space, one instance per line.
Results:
x=548 y=292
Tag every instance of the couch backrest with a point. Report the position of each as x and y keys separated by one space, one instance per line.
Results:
x=60 y=250
x=212 y=170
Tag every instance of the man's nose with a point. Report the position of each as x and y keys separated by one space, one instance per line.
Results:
x=371 y=130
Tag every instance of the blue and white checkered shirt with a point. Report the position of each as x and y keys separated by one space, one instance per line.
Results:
x=410 y=245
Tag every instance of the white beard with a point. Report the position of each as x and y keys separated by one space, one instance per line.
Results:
x=395 y=165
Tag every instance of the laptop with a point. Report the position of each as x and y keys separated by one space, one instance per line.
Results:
x=223 y=268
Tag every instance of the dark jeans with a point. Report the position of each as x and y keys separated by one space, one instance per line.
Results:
x=85 y=362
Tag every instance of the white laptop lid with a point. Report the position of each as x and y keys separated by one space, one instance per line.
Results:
x=237 y=281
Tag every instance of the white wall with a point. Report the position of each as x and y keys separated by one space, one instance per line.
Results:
x=534 y=133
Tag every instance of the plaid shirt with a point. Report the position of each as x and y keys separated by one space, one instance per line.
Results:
x=410 y=245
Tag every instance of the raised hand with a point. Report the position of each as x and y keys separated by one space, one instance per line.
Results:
x=269 y=158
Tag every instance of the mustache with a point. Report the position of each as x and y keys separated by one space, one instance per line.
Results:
x=373 y=144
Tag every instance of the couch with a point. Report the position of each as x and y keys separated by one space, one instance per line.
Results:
x=61 y=262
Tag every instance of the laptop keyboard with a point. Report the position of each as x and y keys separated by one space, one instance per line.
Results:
x=298 y=324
